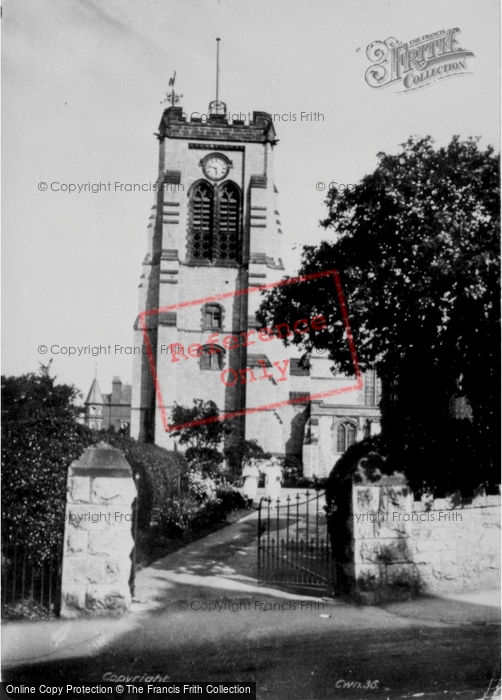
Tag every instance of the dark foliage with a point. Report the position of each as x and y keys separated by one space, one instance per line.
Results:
x=41 y=438
x=417 y=247
x=163 y=475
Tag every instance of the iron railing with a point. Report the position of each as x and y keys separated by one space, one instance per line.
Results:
x=30 y=584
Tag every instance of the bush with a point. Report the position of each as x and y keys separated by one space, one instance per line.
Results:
x=207 y=460
x=163 y=475
x=197 y=510
x=175 y=516
x=41 y=438
x=230 y=499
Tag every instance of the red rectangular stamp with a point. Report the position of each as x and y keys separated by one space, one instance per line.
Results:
x=178 y=349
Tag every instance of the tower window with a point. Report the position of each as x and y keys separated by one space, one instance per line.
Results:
x=212 y=316
x=229 y=206
x=212 y=357
x=345 y=436
x=214 y=222
x=201 y=221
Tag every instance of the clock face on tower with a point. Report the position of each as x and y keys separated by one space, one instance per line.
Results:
x=215 y=167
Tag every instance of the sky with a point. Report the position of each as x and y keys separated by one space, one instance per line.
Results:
x=83 y=82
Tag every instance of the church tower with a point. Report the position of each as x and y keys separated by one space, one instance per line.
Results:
x=213 y=229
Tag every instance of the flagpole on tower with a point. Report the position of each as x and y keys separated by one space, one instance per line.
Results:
x=217 y=67
x=217 y=107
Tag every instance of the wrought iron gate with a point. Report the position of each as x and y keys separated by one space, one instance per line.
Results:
x=293 y=543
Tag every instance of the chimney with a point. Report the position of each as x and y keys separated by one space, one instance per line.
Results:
x=116 y=390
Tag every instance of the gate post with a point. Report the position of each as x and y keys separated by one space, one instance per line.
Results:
x=98 y=539
x=370 y=535
x=383 y=562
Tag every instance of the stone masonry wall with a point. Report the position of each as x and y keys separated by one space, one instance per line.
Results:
x=460 y=547
x=98 y=540
x=400 y=545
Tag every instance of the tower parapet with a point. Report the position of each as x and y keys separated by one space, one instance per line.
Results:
x=176 y=125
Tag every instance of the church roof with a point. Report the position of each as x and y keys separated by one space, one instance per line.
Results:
x=94 y=395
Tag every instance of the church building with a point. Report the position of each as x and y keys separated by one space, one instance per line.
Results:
x=215 y=228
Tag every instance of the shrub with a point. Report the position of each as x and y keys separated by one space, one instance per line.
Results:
x=230 y=499
x=163 y=475
x=206 y=460
x=41 y=438
x=174 y=517
x=201 y=487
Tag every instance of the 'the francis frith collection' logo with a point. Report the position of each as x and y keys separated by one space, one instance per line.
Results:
x=418 y=63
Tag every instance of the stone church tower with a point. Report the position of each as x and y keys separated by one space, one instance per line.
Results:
x=214 y=228
x=214 y=232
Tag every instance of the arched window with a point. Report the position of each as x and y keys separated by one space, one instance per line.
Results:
x=345 y=436
x=201 y=221
x=211 y=316
x=212 y=357
x=214 y=222
x=228 y=229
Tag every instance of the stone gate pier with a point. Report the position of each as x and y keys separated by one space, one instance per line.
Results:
x=98 y=539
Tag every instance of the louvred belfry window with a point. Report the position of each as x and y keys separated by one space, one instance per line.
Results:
x=214 y=223
x=201 y=223
x=227 y=237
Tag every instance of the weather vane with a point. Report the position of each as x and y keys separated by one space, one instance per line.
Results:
x=172 y=96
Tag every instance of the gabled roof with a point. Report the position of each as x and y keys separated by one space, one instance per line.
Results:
x=94 y=395
x=125 y=396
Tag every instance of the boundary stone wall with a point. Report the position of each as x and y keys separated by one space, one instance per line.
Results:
x=392 y=546
x=98 y=534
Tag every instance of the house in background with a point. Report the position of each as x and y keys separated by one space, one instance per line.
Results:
x=105 y=410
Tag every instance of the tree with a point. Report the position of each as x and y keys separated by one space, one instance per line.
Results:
x=247 y=452
x=41 y=438
x=203 y=431
x=417 y=247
